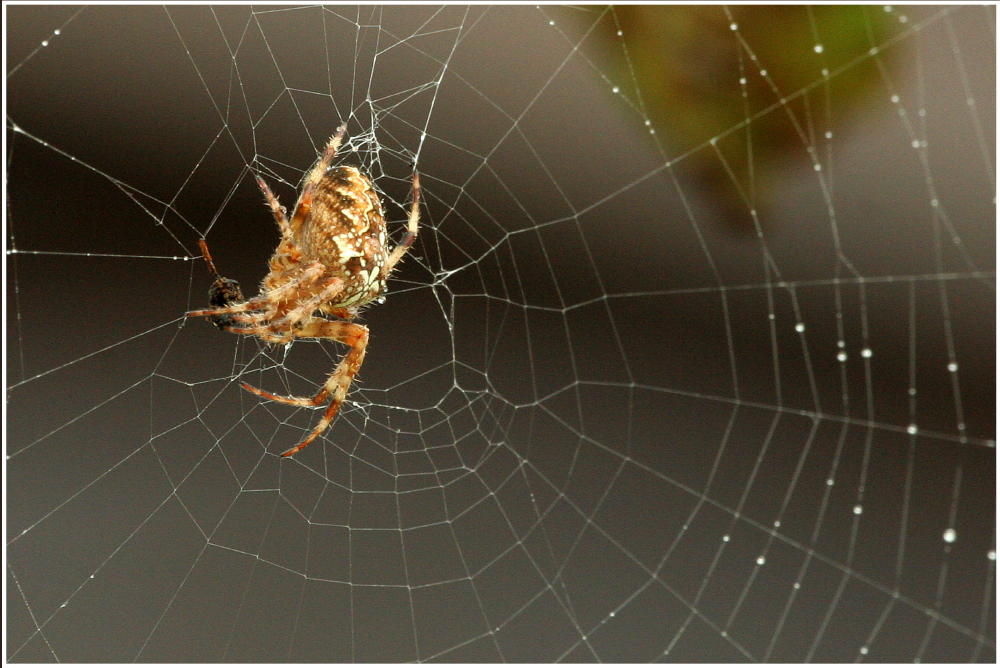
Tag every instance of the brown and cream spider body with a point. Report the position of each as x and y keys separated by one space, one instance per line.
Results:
x=331 y=261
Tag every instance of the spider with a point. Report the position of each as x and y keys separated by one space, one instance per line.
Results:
x=331 y=261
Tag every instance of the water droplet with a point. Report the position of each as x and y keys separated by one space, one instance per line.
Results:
x=761 y=560
x=953 y=367
x=911 y=429
x=45 y=42
x=858 y=509
x=863 y=650
x=615 y=90
x=894 y=99
x=829 y=482
x=725 y=539
x=841 y=356
x=799 y=327
x=732 y=26
x=949 y=535
x=866 y=352
x=992 y=555
x=818 y=48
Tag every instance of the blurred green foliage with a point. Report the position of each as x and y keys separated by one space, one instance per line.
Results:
x=688 y=63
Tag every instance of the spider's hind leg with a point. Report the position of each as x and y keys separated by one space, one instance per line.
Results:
x=339 y=382
x=304 y=204
x=277 y=210
x=309 y=402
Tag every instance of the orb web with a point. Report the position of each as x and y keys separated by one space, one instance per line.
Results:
x=594 y=423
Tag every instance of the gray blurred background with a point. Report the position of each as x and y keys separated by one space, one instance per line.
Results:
x=588 y=427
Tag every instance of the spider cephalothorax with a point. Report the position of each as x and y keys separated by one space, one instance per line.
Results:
x=332 y=259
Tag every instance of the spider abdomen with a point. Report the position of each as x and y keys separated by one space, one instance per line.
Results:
x=345 y=231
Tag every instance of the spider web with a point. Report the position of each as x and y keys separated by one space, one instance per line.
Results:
x=596 y=422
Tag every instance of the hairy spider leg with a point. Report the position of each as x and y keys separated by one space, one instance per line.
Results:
x=339 y=382
x=250 y=305
x=277 y=210
x=313 y=401
x=304 y=205
x=411 y=229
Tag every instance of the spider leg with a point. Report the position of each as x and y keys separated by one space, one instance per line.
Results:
x=263 y=333
x=411 y=228
x=304 y=204
x=252 y=317
x=316 y=400
x=339 y=382
x=250 y=305
x=276 y=209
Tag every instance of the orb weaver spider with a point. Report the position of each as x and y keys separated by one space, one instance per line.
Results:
x=331 y=261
